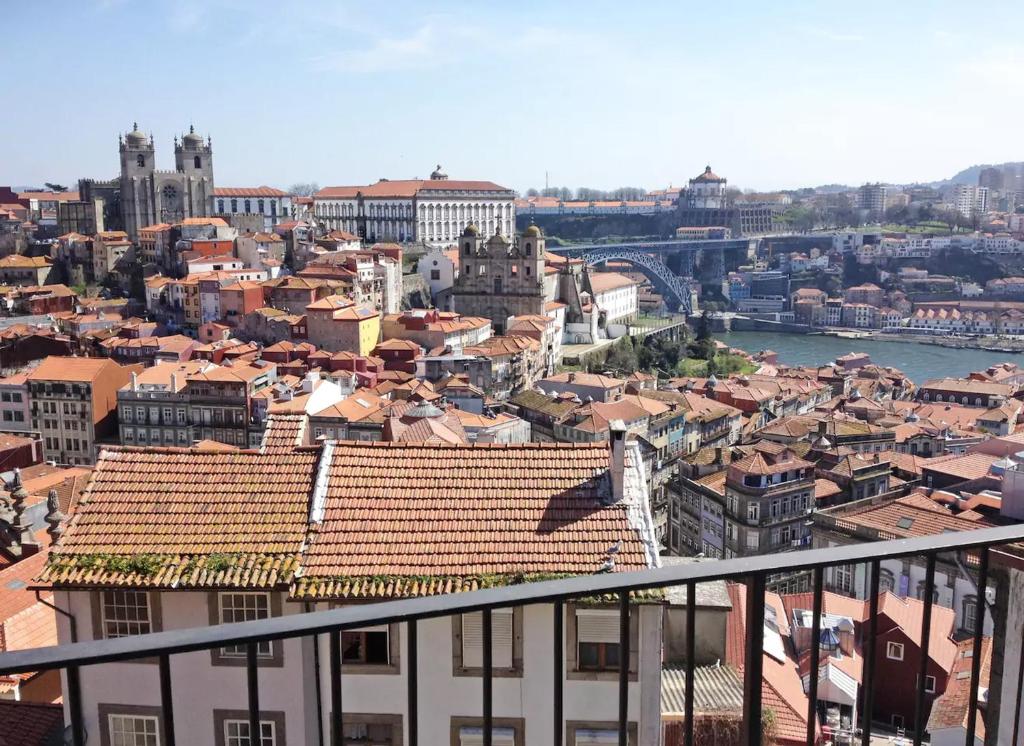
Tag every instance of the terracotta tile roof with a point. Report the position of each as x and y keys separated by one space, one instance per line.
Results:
x=284 y=433
x=500 y=346
x=968 y=386
x=602 y=282
x=585 y=379
x=782 y=690
x=78 y=369
x=260 y=191
x=406 y=188
x=825 y=488
x=31 y=724
x=968 y=466
x=405 y=519
x=913 y=515
x=244 y=516
x=951 y=708
x=359 y=406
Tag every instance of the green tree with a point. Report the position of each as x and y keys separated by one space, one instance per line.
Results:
x=704 y=327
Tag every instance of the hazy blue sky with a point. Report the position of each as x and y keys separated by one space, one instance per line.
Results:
x=771 y=94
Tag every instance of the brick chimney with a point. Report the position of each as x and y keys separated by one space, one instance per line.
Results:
x=617 y=467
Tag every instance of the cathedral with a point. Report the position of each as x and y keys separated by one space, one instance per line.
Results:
x=149 y=196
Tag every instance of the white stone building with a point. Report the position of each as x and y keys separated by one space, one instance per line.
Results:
x=434 y=211
x=274 y=205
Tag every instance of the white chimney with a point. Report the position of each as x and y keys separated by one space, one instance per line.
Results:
x=174 y=382
x=617 y=467
x=308 y=381
x=135 y=381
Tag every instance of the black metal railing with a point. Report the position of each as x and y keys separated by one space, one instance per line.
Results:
x=753 y=572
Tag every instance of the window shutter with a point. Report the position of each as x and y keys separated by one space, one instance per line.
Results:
x=475 y=737
x=593 y=625
x=473 y=639
x=593 y=737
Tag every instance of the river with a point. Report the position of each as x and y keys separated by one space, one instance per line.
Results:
x=919 y=361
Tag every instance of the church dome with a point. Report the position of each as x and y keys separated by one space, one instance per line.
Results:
x=135 y=137
x=471 y=230
x=532 y=231
x=438 y=174
x=192 y=138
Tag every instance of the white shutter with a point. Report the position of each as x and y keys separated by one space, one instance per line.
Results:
x=586 y=737
x=475 y=736
x=597 y=625
x=473 y=639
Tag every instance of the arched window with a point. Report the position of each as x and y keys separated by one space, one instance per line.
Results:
x=248 y=207
x=198 y=162
x=140 y=160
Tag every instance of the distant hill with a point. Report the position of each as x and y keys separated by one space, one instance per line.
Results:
x=970 y=175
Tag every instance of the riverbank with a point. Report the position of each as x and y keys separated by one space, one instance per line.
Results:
x=1011 y=345
x=919 y=361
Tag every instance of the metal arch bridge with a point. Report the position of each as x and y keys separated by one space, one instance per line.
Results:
x=647 y=256
x=671 y=285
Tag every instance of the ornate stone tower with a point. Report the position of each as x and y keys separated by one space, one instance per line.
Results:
x=138 y=162
x=194 y=159
x=498 y=279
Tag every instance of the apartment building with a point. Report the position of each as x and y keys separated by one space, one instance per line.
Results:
x=251 y=559
x=73 y=404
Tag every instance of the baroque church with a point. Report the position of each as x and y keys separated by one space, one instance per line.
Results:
x=149 y=196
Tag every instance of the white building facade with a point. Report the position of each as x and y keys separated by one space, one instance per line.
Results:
x=273 y=204
x=434 y=211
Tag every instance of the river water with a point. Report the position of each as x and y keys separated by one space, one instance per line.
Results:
x=919 y=361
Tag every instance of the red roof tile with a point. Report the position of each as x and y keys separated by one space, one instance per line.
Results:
x=404 y=519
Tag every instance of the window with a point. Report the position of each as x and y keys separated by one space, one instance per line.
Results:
x=140 y=161
x=886 y=581
x=597 y=640
x=231 y=728
x=894 y=651
x=970 y=613
x=501 y=639
x=435 y=274
x=236 y=733
x=133 y=730
x=244 y=607
x=125 y=613
x=370 y=734
x=366 y=645
x=197 y=162
x=842 y=578
x=469 y=736
x=753 y=512
x=929 y=684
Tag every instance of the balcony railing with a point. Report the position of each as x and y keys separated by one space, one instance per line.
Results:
x=753 y=572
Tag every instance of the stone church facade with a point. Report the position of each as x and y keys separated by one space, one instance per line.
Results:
x=498 y=279
x=149 y=196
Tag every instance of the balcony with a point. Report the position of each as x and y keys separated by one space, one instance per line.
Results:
x=752 y=572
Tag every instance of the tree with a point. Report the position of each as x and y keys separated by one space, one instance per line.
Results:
x=56 y=187
x=304 y=189
x=531 y=192
x=704 y=327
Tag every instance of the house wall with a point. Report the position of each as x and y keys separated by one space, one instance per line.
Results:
x=200 y=688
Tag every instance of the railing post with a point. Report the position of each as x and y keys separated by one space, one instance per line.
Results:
x=412 y=683
x=252 y=680
x=166 y=700
x=337 y=723
x=812 y=674
x=624 y=656
x=869 y=656
x=926 y=635
x=75 y=706
x=559 y=674
x=691 y=664
x=488 y=681
x=979 y=627
x=753 y=661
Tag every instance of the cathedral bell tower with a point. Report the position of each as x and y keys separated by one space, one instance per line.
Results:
x=194 y=159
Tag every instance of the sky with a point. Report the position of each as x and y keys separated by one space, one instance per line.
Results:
x=599 y=94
